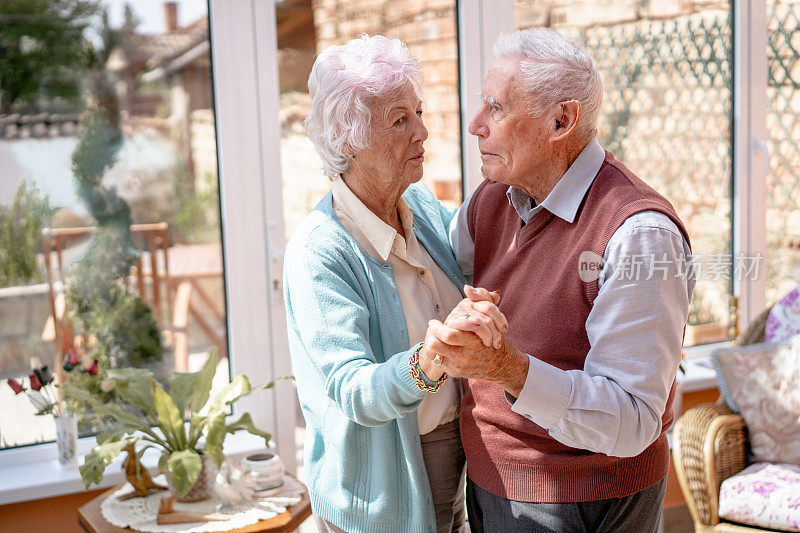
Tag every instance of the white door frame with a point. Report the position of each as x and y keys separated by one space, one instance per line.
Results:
x=750 y=157
x=480 y=23
x=244 y=61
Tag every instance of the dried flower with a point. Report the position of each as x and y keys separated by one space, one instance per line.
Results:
x=35 y=383
x=16 y=385
x=44 y=375
x=72 y=359
x=94 y=369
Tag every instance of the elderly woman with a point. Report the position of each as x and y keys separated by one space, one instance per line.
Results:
x=364 y=273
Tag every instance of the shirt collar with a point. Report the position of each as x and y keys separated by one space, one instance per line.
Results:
x=379 y=234
x=567 y=195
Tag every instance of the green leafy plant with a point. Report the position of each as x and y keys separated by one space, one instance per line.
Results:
x=20 y=236
x=173 y=421
x=196 y=211
x=44 y=51
x=124 y=326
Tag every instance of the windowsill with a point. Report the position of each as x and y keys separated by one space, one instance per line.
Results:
x=700 y=374
x=45 y=478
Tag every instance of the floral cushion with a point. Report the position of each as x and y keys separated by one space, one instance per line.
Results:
x=763 y=495
x=784 y=319
x=762 y=382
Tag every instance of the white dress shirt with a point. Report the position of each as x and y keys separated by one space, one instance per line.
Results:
x=635 y=329
x=425 y=291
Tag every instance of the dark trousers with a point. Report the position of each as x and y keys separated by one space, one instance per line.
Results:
x=639 y=512
x=445 y=462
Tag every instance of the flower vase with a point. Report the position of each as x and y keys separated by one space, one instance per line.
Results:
x=202 y=488
x=67 y=440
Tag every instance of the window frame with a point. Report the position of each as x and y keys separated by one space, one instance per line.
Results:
x=245 y=83
x=480 y=23
x=483 y=21
x=243 y=39
x=750 y=157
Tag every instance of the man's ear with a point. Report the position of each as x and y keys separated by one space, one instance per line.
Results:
x=567 y=116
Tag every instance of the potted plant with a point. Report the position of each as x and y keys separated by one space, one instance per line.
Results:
x=185 y=422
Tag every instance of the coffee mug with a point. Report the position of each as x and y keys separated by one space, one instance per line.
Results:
x=267 y=468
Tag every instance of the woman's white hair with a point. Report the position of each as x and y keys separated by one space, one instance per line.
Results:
x=554 y=69
x=344 y=84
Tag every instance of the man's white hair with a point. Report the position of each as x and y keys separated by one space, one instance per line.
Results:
x=554 y=69
x=344 y=84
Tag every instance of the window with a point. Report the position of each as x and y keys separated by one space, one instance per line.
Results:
x=109 y=203
x=668 y=72
x=667 y=115
x=783 y=179
x=428 y=29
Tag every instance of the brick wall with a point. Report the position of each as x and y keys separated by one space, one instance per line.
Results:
x=429 y=29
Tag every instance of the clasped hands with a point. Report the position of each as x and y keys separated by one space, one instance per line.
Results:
x=472 y=343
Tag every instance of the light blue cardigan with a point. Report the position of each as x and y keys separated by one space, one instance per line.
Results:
x=350 y=351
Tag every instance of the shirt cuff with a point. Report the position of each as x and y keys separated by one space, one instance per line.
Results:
x=545 y=395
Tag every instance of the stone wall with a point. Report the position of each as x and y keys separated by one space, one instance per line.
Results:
x=203 y=145
x=584 y=13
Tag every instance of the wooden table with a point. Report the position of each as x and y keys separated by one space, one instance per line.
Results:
x=91 y=518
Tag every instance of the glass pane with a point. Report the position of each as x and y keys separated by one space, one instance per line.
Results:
x=429 y=30
x=110 y=243
x=783 y=129
x=667 y=116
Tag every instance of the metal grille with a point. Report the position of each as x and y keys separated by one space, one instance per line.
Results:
x=667 y=112
x=783 y=180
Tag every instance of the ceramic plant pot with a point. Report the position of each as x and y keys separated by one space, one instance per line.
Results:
x=203 y=488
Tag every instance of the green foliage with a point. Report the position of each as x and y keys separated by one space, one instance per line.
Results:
x=170 y=419
x=96 y=461
x=184 y=466
x=21 y=236
x=94 y=281
x=146 y=411
x=134 y=386
x=45 y=54
x=196 y=212
x=125 y=328
x=202 y=385
x=95 y=153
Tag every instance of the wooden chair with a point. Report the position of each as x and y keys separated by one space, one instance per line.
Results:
x=709 y=445
x=149 y=275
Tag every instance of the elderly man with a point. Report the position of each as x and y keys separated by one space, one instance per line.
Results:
x=564 y=425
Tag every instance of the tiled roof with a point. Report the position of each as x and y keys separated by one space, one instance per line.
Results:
x=40 y=125
x=159 y=47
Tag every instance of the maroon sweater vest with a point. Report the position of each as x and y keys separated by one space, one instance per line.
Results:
x=535 y=267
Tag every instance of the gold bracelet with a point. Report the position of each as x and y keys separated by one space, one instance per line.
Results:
x=416 y=371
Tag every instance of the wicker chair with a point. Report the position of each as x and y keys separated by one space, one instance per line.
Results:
x=709 y=445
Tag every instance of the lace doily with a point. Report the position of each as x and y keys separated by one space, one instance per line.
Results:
x=140 y=513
